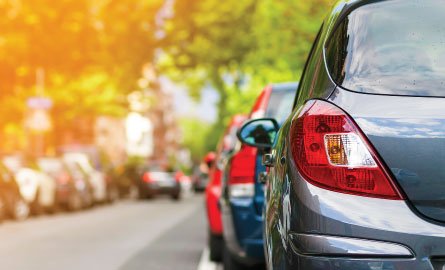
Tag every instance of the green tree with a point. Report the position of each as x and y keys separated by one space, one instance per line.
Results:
x=91 y=51
x=238 y=47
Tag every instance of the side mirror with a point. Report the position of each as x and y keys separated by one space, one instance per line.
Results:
x=259 y=133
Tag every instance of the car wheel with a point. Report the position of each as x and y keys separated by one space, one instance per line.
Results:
x=229 y=262
x=216 y=246
x=20 y=210
x=176 y=197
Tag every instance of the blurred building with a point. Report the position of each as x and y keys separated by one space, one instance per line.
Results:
x=166 y=133
x=156 y=103
x=139 y=135
x=110 y=137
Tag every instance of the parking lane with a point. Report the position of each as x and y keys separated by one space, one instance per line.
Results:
x=179 y=247
x=106 y=237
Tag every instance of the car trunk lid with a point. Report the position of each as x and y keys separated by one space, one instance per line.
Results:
x=409 y=135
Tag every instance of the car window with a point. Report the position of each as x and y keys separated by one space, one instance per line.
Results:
x=280 y=104
x=307 y=65
x=391 y=47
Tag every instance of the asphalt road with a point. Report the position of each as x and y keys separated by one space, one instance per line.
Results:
x=129 y=235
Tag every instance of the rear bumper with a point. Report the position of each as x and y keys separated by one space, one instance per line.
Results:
x=303 y=262
x=152 y=189
x=243 y=231
x=327 y=230
x=213 y=193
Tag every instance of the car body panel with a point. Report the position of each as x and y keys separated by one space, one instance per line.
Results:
x=213 y=190
x=407 y=133
x=96 y=178
x=10 y=195
x=242 y=217
x=34 y=186
x=161 y=182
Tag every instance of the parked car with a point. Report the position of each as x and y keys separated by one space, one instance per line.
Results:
x=96 y=178
x=12 y=203
x=73 y=190
x=213 y=190
x=201 y=172
x=155 y=180
x=99 y=164
x=243 y=193
x=356 y=172
x=36 y=188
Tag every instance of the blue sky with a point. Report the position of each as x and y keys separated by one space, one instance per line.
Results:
x=184 y=105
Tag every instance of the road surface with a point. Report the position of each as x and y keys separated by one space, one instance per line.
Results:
x=129 y=235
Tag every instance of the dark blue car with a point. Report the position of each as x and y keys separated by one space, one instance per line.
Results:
x=243 y=193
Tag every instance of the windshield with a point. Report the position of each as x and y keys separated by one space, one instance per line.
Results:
x=391 y=47
x=280 y=103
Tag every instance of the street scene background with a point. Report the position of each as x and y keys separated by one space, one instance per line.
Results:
x=125 y=83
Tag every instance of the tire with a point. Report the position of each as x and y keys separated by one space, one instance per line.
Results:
x=229 y=262
x=176 y=197
x=216 y=245
x=20 y=210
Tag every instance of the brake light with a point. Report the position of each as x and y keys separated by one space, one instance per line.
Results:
x=147 y=177
x=178 y=176
x=241 y=180
x=331 y=152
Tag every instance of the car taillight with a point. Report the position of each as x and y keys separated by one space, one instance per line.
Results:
x=331 y=152
x=147 y=177
x=241 y=180
x=178 y=176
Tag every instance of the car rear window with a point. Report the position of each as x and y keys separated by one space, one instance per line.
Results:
x=391 y=47
x=281 y=102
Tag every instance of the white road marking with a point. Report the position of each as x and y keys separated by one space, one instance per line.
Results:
x=205 y=263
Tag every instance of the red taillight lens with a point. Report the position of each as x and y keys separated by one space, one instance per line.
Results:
x=147 y=177
x=178 y=176
x=241 y=179
x=331 y=152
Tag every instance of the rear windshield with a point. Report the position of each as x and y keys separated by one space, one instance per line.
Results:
x=281 y=102
x=391 y=47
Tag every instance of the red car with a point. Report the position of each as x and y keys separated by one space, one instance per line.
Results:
x=213 y=190
x=242 y=198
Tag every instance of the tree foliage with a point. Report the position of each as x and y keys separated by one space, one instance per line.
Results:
x=238 y=47
x=91 y=51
